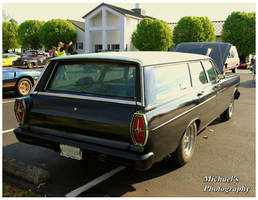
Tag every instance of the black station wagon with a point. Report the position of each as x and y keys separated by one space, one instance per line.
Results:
x=134 y=108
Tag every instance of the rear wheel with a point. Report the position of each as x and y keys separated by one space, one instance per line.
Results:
x=23 y=87
x=186 y=146
x=227 y=114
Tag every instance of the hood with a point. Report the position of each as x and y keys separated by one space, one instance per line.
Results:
x=218 y=51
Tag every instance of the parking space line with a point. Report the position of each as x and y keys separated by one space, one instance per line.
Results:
x=7 y=131
x=8 y=101
x=94 y=182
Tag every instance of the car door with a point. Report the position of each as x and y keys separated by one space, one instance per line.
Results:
x=205 y=91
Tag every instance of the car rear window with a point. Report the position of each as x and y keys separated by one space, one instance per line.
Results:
x=100 y=79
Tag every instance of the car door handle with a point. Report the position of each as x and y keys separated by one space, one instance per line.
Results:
x=200 y=93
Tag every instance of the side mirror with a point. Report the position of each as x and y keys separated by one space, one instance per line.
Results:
x=221 y=76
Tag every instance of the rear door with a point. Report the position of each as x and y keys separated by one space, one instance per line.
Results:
x=205 y=91
x=88 y=98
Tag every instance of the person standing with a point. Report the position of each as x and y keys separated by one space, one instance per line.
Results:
x=53 y=52
x=61 y=48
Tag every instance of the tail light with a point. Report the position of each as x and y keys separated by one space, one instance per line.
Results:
x=139 y=129
x=19 y=110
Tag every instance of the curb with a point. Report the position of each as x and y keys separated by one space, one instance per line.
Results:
x=26 y=172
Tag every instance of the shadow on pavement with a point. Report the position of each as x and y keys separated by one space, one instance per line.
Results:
x=248 y=84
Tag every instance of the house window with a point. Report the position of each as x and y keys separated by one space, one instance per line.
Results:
x=98 y=48
x=113 y=47
x=79 y=45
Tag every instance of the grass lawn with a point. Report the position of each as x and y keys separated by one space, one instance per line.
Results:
x=10 y=191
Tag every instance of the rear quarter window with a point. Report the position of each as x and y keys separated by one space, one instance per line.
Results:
x=166 y=82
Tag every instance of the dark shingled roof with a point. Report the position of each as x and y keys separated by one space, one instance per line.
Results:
x=80 y=25
x=120 y=10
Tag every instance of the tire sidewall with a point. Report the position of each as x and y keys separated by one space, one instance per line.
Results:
x=182 y=157
x=19 y=83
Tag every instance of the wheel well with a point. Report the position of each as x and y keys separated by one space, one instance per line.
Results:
x=28 y=77
x=197 y=121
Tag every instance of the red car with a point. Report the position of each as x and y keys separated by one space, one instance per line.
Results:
x=243 y=65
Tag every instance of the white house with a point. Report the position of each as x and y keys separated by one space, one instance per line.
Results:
x=79 y=47
x=108 y=27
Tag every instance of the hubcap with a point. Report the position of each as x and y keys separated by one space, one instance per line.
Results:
x=24 y=88
x=189 y=140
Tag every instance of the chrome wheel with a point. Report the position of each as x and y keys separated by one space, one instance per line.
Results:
x=186 y=146
x=189 y=140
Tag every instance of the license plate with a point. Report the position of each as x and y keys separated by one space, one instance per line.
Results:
x=70 y=152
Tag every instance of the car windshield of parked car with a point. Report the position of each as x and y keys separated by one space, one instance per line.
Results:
x=98 y=79
x=5 y=56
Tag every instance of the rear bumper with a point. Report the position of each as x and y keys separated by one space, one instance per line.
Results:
x=108 y=150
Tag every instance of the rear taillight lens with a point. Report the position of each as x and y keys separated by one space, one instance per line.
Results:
x=19 y=109
x=139 y=129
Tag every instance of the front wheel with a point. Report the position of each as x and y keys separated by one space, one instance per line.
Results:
x=227 y=114
x=187 y=145
x=23 y=87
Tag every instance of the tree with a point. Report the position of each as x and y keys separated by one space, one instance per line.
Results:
x=10 y=36
x=29 y=32
x=194 y=29
x=152 y=35
x=57 y=30
x=239 y=30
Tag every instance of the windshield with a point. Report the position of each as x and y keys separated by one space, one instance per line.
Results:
x=5 y=56
x=98 y=79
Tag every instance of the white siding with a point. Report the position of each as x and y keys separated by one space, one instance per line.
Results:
x=130 y=27
x=80 y=39
x=96 y=20
x=112 y=20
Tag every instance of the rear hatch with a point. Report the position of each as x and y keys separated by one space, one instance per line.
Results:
x=87 y=98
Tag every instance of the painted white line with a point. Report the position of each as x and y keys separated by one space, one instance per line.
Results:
x=9 y=101
x=94 y=182
x=7 y=131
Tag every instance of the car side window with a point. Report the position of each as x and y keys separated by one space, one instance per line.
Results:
x=198 y=74
x=166 y=82
x=210 y=70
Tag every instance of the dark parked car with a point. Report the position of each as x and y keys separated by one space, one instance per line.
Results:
x=31 y=59
x=135 y=108
x=19 y=80
x=224 y=54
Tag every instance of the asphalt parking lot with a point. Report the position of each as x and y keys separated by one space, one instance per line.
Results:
x=225 y=150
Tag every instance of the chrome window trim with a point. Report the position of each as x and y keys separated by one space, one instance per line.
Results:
x=41 y=74
x=183 y=113
x=91 y=98
x=142 y=86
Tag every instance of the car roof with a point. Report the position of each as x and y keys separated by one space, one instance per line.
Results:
x=144 y=58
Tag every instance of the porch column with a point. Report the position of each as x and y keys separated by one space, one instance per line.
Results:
x=104 y=28
x=122 y=27
x=87 y=36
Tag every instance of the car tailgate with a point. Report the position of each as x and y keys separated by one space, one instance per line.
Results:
x=97 y=118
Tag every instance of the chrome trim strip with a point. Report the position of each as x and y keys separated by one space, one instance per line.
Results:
x=63 y=95
x=41 y=74
x=183 y=113
x=142 y=80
